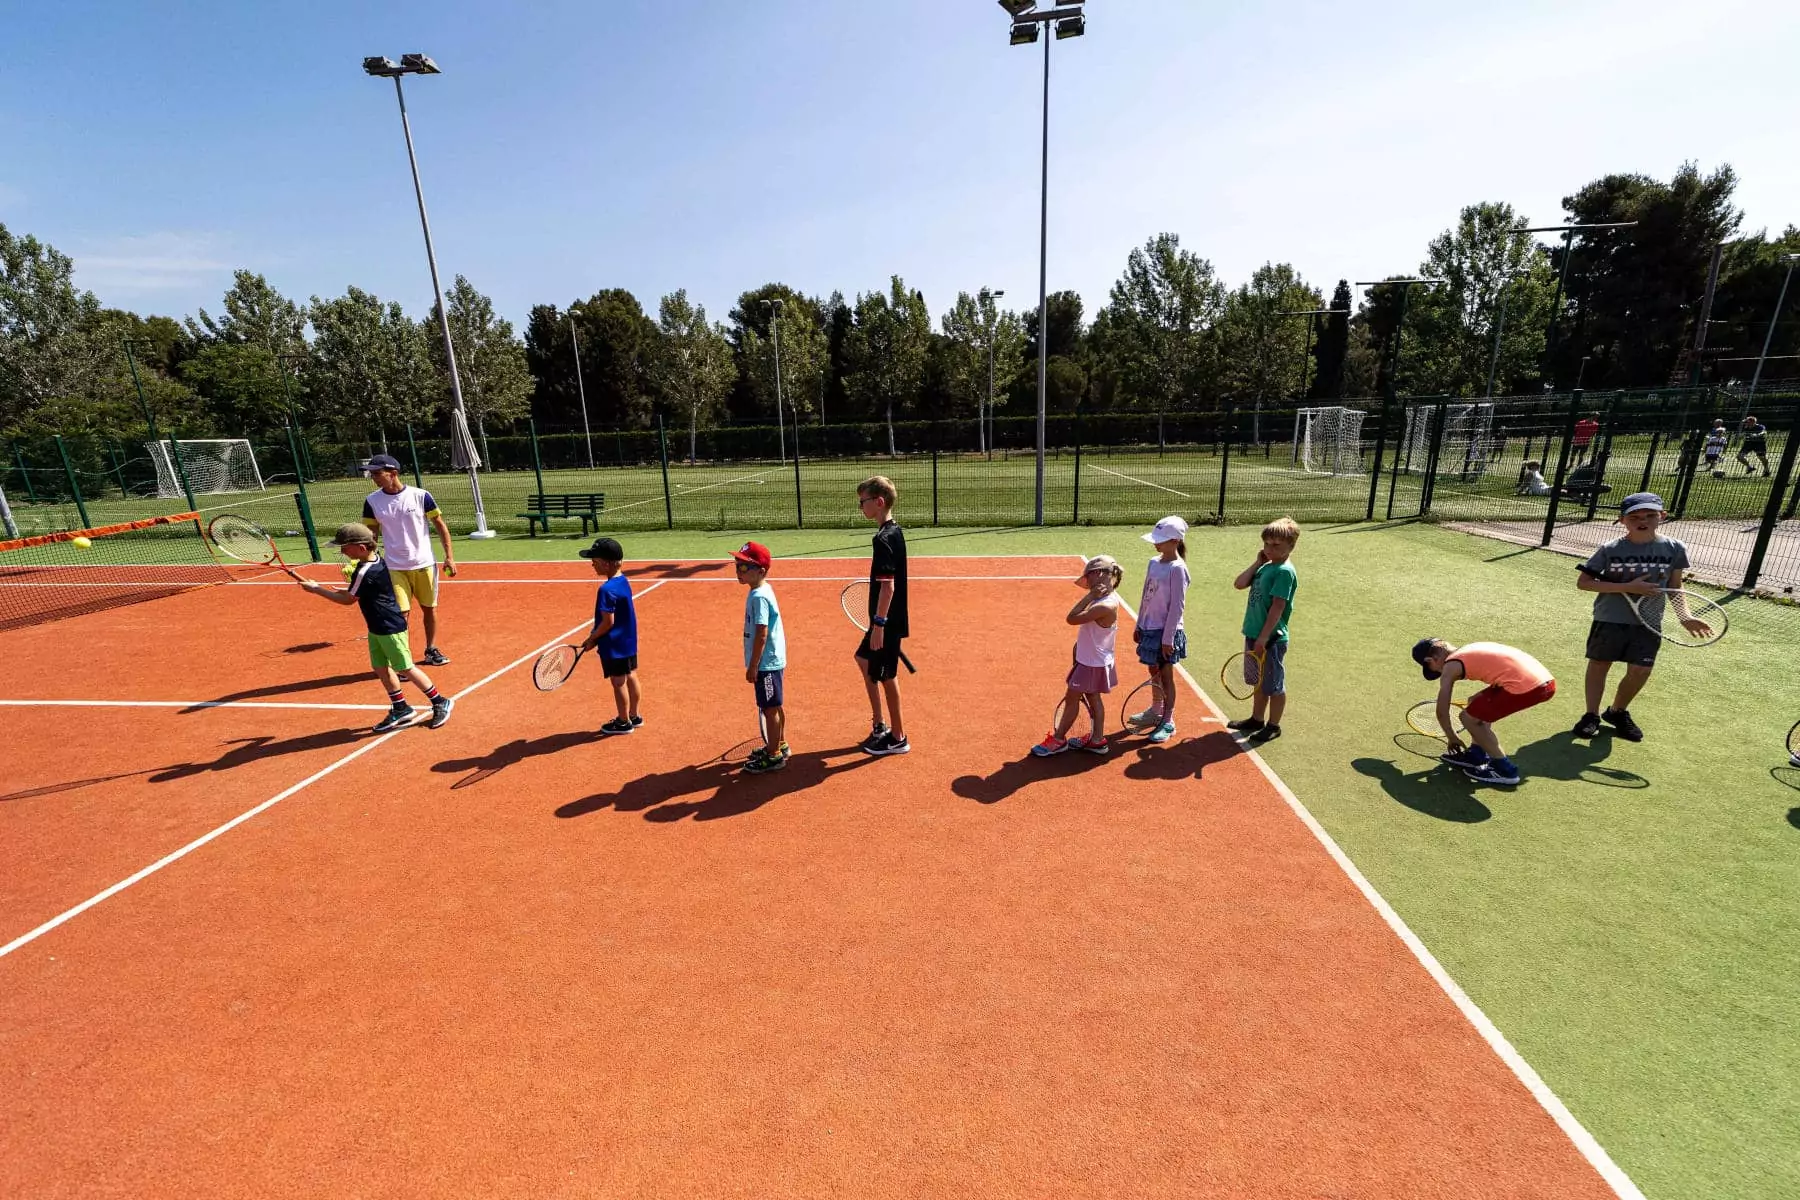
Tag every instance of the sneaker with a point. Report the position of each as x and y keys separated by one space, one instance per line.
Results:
x=1163 y=732
x=1493 y=772
x=1267 y=733
x=1794 y=760
x=762 y=762
x=440 y=711
x=433 y=657
x=398 y=717
x=1093 y=745
x=876 y=734
x=1588 y=726
x=616 y=726
x=1148 y=719
x=1244 y=725
x=636 y=721
x=1050 y=745
x=1620 y=719
x=890 y=744
x=1468 y=756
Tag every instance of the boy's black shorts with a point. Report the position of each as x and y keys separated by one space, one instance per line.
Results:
x=613 y=668
x=883 y=663
x=1633 y=644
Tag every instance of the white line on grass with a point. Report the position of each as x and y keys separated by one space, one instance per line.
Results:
x=191 y=704
x=1134 y=479
x=176 y=855
x=1577 y=1133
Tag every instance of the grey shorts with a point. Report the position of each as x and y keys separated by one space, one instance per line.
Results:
x=1274 y=669
x=1613 y=641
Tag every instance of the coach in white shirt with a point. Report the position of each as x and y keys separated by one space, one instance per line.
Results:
x=402 y=518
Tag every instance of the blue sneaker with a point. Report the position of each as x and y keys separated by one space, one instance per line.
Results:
x=1163 y=732
x=1468 y=756
x=1495 y=773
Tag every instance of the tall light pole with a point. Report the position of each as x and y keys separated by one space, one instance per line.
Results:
x=992 y=314
x=581 y=389
x=1028 y=23
x=775 y=329
x=1500 y=325
x=1562 y=279
x=1392 y=391
x=1790 y=260
x=460 y=441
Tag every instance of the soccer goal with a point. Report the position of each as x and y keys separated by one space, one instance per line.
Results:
x=213 y=465
x=1466 y=445
x=1328 y=441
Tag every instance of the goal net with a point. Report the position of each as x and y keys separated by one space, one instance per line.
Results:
x=1465 y=447
x=213 y=466
x=1328 y=441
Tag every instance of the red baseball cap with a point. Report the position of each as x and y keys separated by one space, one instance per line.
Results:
x=754 y=553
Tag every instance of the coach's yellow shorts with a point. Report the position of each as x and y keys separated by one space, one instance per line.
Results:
x=390 y=650
x=416 y=586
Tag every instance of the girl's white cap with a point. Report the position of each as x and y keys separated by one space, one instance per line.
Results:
x=1169 y=529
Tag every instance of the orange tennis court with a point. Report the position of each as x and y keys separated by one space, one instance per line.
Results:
x=248 y=948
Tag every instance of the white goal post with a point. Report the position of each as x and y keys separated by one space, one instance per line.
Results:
x=1466 y=445
x=1328 y=440
x=213 y=466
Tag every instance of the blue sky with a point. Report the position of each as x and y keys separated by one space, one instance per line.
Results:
x=657 y=144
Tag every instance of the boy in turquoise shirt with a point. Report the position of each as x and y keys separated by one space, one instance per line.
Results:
x=1272 y=582
x=765 y=656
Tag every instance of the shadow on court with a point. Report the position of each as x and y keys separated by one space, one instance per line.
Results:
x=734 y=792
x=1794 y=817
x=518 y=750
x=1444 y=792
x=1181 y=759
x=254 y=749
x=672 y=570
x=1786 y=776
x=282 y=689
x=1023 y=772
x=51 y=789
x=1438 y=791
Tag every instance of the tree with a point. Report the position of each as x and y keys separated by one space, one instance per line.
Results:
x=1159 y=333
x=1332 y=347
x=1486 y=261
x=886 y=350
x=496 y=382
x=255 y=315
x=240 y=385
x=1263 y=353
x=369 y=362
x=53 y=344
x=984 y=354
x=691 y=369
x=805 y=355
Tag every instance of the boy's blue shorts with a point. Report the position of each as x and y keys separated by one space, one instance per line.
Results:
x=768 y=689
x=1274 y=668
x=1150 y=647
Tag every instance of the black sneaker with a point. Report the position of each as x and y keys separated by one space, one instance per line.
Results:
x=1267 y=733
x=618 y=725
x=636 y=721
x=440 y=711
x=398 y=717
x=761 y=763
x=889 y=744
x=1620 y=719
x=876 y=735
x=1244 y=724
x=1587 y=727
x=433 y=657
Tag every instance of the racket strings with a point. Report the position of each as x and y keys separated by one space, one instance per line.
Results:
x=242 y=539
x=855 y=599
x=553 y=667
x=1241 y=675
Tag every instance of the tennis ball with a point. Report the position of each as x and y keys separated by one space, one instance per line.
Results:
x=82 y=543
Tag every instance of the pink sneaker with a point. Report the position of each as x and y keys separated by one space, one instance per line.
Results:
x=1050 y=745
x=1097 y=745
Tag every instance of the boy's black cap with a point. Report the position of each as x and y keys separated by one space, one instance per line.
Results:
x=605 y=549
x=1422 y=650
x=381 y=462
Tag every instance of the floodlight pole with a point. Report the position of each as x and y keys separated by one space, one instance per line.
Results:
x=1500 y=326
x=581 y=388
x=1390 y=393
x=1312 y=326
x=1562 y=280
x=775 y=331
x=1043 y=290
x=458 y=412
x=1790 y=260
x=981 y=435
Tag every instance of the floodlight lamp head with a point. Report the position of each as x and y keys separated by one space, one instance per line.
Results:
x=418 y=64
x=380 y=66
x=1025 y=34
x=1018 y=8
x=1071 y=27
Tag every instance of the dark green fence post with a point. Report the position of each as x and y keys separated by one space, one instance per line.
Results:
x=1655 y=443
x=300 y=501
x=1562 y=465
x=1603 y=452
x=799 y=512
x=1075 y=514
x=1784 y=475
x=112 y=452
x=537 y=459
x=413 y=449
x=1387 y=401
x=25 y=473
x=662 y=446
x=1433 y=457
x=935 y=439
x=1225 y=462
x=74 y=484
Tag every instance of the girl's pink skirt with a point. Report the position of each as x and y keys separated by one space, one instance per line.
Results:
x=1093 y=680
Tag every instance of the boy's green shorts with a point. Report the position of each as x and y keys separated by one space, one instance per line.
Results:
x=390 y=650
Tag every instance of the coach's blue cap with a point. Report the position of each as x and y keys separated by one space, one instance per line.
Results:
x=382 y=462
x=1638 y=501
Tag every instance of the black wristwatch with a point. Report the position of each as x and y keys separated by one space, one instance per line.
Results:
x=878 y=621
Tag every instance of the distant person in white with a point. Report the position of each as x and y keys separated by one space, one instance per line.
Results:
x=1531 y=480
x=402 y=518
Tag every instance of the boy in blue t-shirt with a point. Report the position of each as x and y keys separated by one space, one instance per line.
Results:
x=765 y=656
x=615 y=633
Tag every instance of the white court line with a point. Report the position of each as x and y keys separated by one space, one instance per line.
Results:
x=756 y=478
x=784 y=579
x=25 y=939
x=192 y=704
x=1572 y=1127
x=1134 y=479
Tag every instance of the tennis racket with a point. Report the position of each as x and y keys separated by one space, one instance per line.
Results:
x=855 y=599
x=1142 y=709
x=1422 y=717
x=245 y=540
x=554 y=666
x=1242 y=674
x=1697 y=620
x=1793 y=742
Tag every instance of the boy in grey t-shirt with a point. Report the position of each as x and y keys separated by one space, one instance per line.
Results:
x=1641 y=563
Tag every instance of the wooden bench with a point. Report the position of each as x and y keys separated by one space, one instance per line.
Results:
x=1583 y=484
x=587 y=506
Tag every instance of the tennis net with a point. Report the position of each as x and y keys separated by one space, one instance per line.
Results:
x=50 y=577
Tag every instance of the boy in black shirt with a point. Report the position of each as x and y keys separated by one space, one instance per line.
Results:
x=879 y=654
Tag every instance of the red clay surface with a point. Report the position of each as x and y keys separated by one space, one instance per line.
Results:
x=508 y=958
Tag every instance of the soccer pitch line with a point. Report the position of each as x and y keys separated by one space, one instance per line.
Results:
x=1134 y=479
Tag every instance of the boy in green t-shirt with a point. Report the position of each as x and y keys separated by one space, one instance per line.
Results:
x=1272 y=582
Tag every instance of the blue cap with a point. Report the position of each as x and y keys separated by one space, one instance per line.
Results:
x=382 y=462
x=1638 y=501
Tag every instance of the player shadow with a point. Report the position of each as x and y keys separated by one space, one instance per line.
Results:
x=673 y=570
x=1794 y=817
x=1785 y=775
x=1575 y=760
x=734 y=792
x=517 y=750
x=1446 y=794
x=1183 y=759
x=1023 y=772
x=282 y=689
x=254 y=749
x=51 y=789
